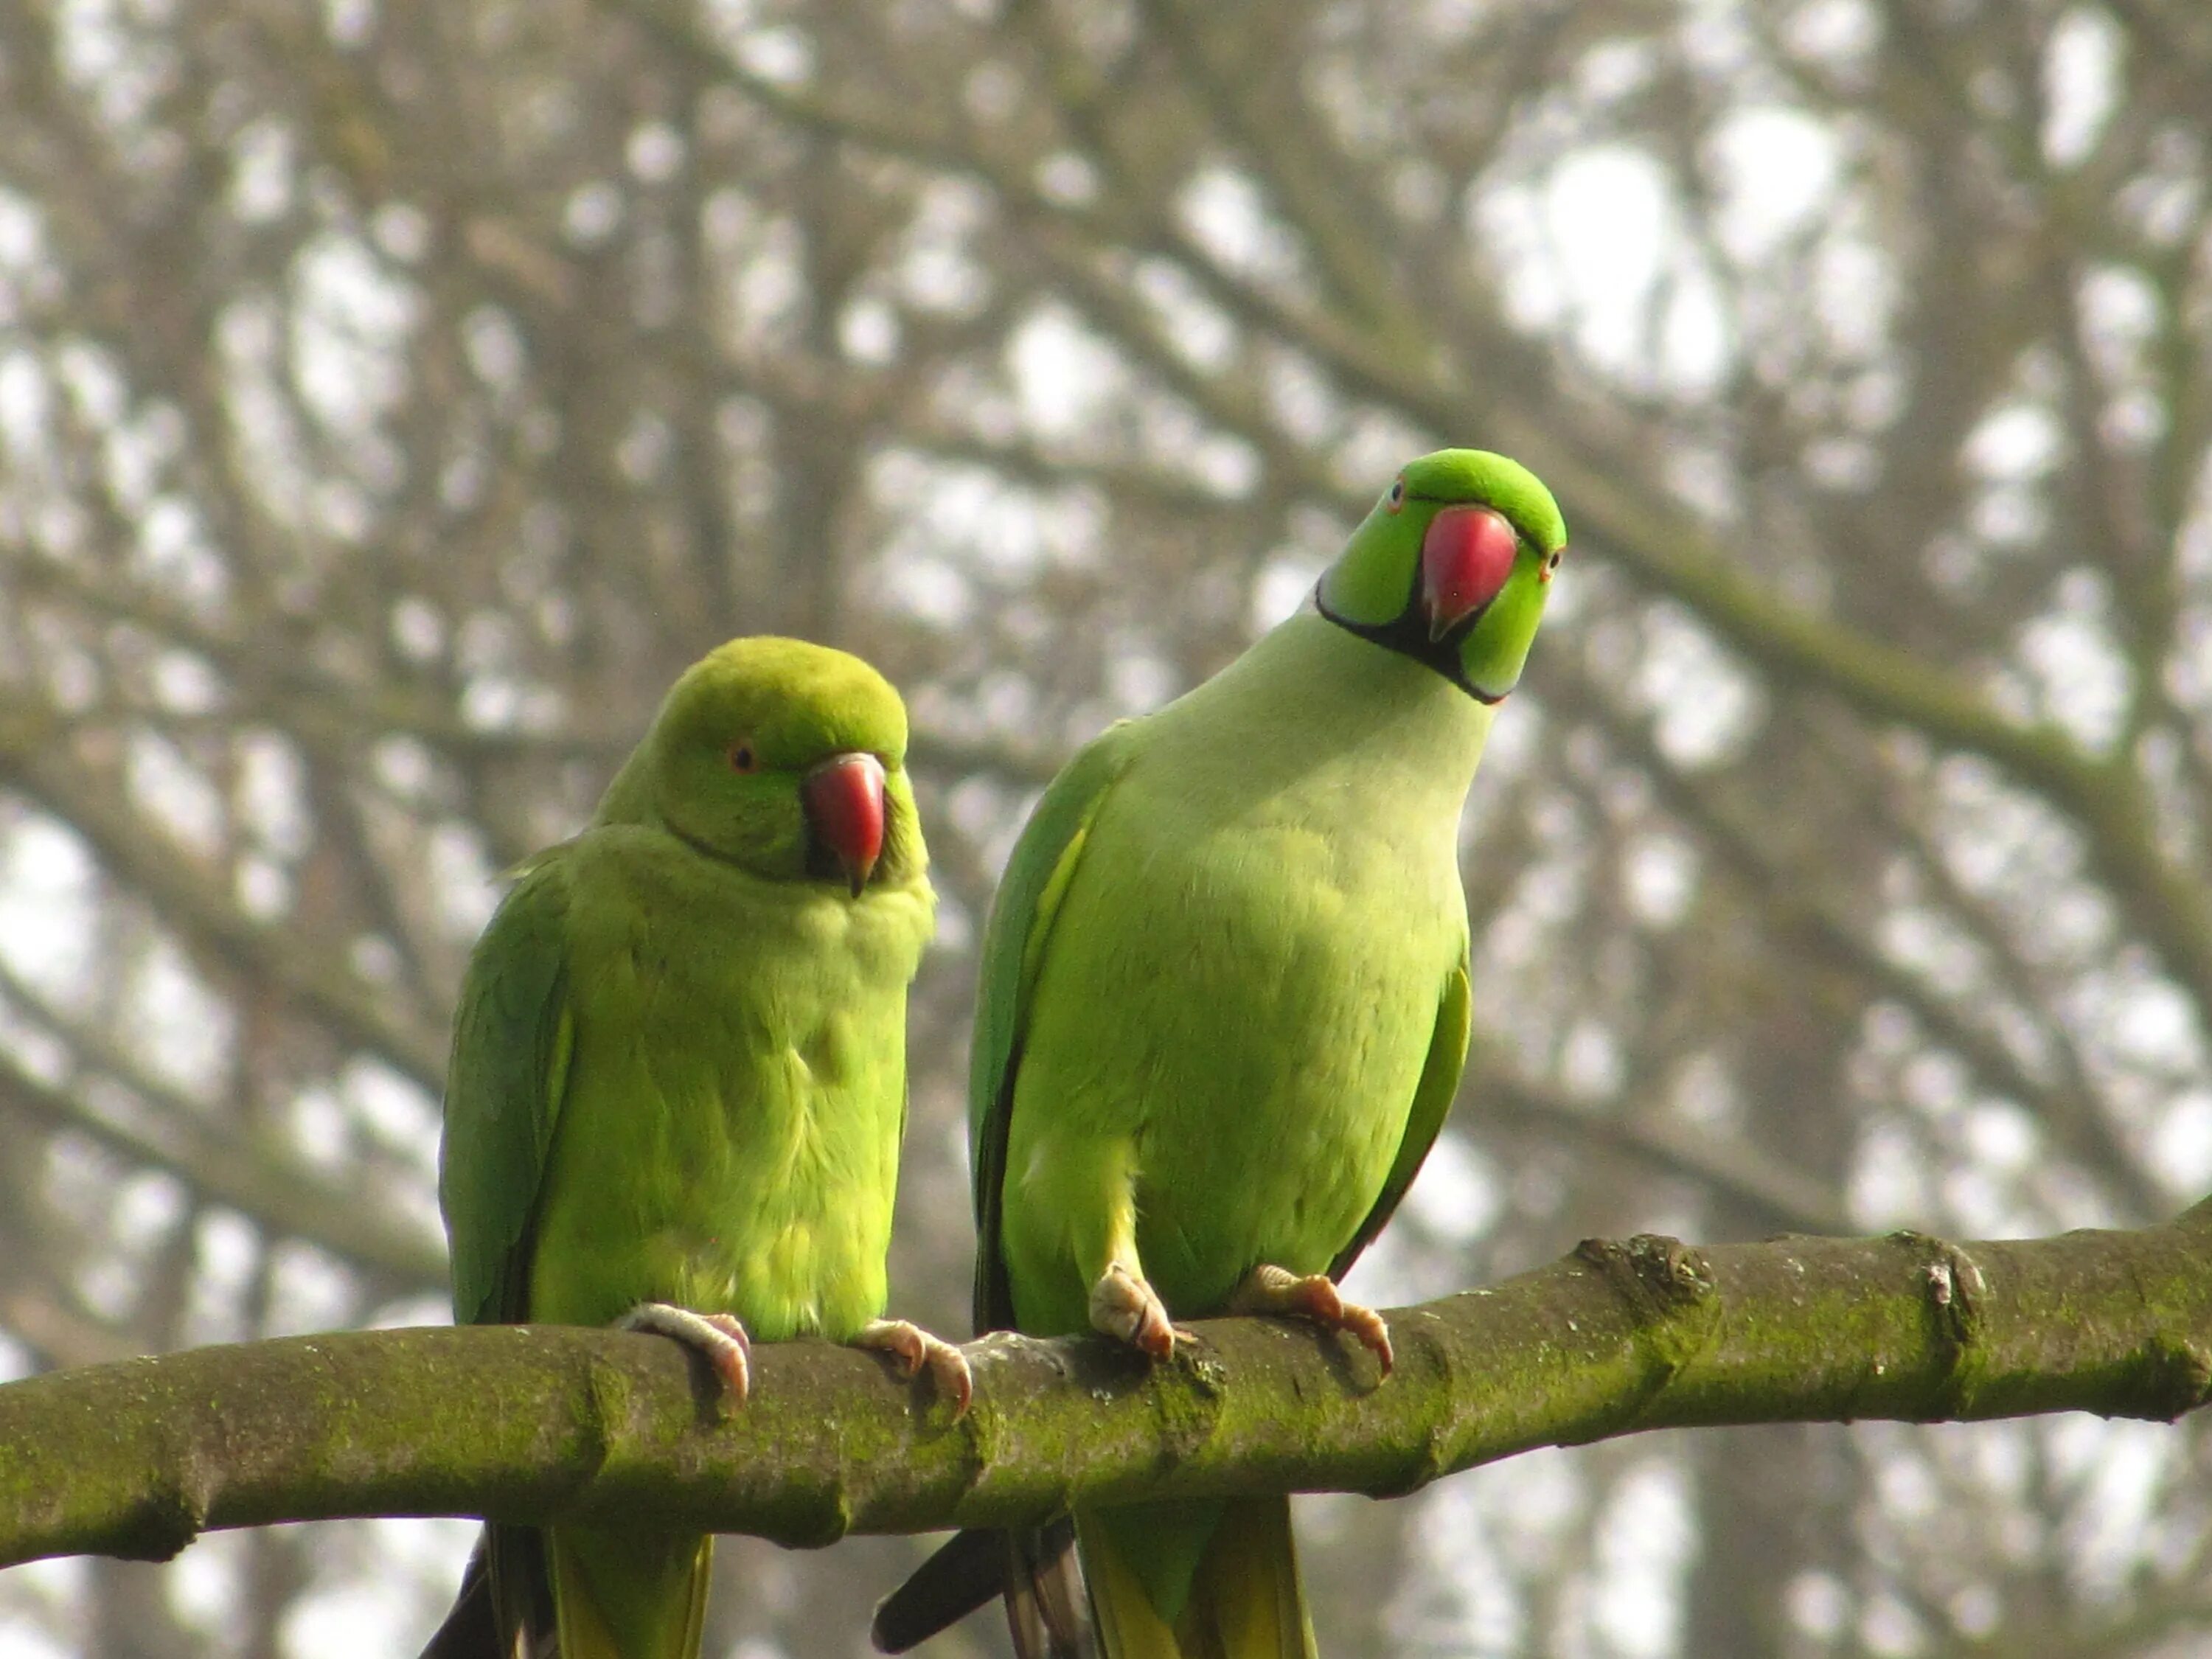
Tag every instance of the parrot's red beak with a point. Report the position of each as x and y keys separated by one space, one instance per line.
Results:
x=1465 y=557
x=844 y=800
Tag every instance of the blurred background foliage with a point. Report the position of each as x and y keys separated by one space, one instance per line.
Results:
x=393 y=397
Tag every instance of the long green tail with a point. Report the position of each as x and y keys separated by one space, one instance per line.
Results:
x=629 y=1594
x=1197 y=1581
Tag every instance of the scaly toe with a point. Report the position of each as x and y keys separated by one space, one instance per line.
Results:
x=912 y=1349
x=718 y=1337
x=905 y=1343
x=1125 y=1307
x=1315 y=1297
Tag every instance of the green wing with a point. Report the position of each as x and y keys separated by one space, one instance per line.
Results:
x=512 y=1036
x=1036 y=877
x=1432 y=1099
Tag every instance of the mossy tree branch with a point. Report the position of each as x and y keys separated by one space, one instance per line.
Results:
x=532 y=1424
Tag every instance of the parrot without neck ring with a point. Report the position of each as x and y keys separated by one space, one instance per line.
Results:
x=1222 y=1015
x=676 y=1089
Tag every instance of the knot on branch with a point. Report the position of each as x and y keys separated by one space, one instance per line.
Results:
x=1190 y=1414
x=982 y=1434
x=1954 y=1291
x=1955 y=1285
x=2175 y=1378
x=171 y=1515
x=1669 y=1287
x=1659 y=1275
x=174 y=1508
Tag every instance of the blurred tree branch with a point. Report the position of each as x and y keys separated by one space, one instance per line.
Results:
x=264 y=1180
x=287 y=965
x=530 y=1422
x=1789 y=1198
x=1380 y=350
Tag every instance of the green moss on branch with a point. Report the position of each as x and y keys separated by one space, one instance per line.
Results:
x=532 y=1423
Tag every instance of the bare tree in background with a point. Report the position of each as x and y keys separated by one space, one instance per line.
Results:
x=394 y=398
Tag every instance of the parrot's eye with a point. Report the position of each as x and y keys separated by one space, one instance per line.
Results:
x=1396 y=498
x=1550 y=565
x=742 y=757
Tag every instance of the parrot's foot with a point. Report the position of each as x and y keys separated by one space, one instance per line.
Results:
x=1270 y=1289
x=717 y=1336
x=1125 y=1307
x=911 y=1348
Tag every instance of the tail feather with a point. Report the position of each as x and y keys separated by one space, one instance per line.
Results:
x=1033 y=1568
x=504 y=1609
x=470 y=1631
x=1248 y=1598
x=630 y=1594
x=1245 y=1599
x=967 y=1571
x=1121 y=1608
x=1044 y=1593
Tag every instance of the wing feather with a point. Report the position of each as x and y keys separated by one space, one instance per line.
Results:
x=1432 y=1101
x=1043 y=862
x=513 y=1034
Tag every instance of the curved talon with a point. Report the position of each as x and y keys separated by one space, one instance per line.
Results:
x=1314 y=1297
x=1124 y=1307
x=950 y=1375
x=911 y=1348
x=717 y=1336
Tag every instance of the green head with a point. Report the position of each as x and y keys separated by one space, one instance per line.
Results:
x=784 y=758
x=1452 y=568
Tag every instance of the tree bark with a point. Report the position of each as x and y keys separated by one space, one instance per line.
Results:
x=532 y=1424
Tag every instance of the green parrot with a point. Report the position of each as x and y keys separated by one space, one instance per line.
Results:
x=678 y=1084
x=1223 y=1014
